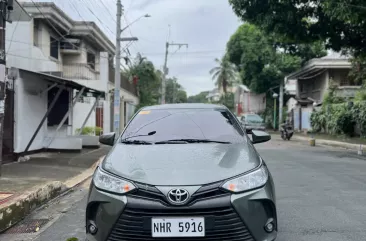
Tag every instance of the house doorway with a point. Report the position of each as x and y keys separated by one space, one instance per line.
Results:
x=8 y=137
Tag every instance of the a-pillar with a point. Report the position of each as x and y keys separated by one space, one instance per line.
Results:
x=104 y=77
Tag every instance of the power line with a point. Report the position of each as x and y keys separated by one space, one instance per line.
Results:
x=92 y=12
x=15 y=28
x=146 y=54
x=54 y=28
x=105 y=7
x=129 y=29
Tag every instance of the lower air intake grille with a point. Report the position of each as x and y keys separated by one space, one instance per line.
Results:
x=222 y=224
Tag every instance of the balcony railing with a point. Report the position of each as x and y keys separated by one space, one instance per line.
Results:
x=79 y=71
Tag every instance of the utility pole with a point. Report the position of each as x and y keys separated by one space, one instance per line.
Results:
x=280 y=108
x=165 y=68
x=117 y=73
x=4 y=6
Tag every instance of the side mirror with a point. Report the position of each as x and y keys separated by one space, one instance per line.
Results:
x=107 y=139
x=260 y=137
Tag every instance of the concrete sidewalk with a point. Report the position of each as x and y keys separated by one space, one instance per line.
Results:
x=27 y=185
x=341 y=144
x=324 y=142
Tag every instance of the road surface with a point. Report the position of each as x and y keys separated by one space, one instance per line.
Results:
x=321 y=195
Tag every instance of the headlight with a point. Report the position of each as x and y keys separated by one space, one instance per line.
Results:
x=249 y=181
x=109 y=183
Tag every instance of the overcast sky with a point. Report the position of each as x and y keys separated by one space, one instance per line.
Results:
x=206 y=25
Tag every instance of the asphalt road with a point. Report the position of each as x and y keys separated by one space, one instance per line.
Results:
x=321 y=196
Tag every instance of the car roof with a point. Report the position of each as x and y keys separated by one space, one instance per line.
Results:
x=184 y=106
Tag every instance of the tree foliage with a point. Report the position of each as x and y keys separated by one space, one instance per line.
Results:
x=149 y=82
x=262 y=59
x=199 y=98
x=228 y=101
x=338 y=23
x=225 y=73
x=175 y=92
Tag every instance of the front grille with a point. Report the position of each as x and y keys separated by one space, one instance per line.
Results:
x=205 y=192
x=222 y=224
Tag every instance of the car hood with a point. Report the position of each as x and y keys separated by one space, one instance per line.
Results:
x=180 y=164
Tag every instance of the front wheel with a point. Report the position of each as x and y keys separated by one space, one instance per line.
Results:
x=283 y=136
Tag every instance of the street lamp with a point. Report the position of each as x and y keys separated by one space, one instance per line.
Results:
x=143 y=16
x=275 y=95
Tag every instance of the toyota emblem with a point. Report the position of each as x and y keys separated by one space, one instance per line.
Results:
x=178 y=196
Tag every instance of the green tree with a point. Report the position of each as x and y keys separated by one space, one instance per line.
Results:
x=149 y=82
x=228 y=101
x=339 y=23
x=225 y=73
x=175 y=92
x=199 y=98
x=262 y=64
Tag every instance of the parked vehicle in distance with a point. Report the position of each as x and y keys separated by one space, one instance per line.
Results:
x=252 y=122
x=182 y=172
x=286 y=131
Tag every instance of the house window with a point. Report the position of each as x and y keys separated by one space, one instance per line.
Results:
x=54 y=48
x=91 y=60
x=36 y=33
x=347 y=81
x=302 y=87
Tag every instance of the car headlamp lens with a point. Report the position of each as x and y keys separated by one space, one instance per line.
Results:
x=110 y=183
x=249 y=181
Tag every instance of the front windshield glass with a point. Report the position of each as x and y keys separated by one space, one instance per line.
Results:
x=173 y=124
x=253 y=119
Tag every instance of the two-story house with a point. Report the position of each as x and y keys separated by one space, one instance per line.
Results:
x=52 y=43
x=313 y=81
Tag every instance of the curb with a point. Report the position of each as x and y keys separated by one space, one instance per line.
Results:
x=18 y=208
x=331 y=143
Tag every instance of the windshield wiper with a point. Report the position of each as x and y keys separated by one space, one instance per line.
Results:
x=136 y=142
x=178 y=141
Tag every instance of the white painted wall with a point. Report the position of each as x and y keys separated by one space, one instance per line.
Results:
x=23 y=54
x=29 y=108
x=80 y=113
x=291 y=104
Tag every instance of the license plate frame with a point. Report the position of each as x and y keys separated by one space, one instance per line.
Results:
x=173 y=224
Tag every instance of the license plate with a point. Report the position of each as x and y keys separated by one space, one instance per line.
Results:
x=178 y=227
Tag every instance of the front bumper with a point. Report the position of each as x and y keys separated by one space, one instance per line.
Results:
x=228 y=216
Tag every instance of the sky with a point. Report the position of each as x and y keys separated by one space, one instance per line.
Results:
x=205 y=25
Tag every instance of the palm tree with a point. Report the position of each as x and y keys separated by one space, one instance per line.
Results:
x=225 y=73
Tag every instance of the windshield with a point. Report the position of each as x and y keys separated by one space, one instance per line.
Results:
x=173 y=124
x=253 y=119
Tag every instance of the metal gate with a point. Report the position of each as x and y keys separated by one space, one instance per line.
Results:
x=8 y=138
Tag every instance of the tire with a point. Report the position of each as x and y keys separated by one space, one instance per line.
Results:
x=283 y=136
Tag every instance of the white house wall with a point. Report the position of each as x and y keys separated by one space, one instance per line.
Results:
x=80 y=113
x=21 y=51
x=29 y=108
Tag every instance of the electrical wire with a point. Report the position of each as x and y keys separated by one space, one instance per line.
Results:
x=92 y=12
x=58 y=32
x=12 y=35
x=129 y=29
x=105 y=7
